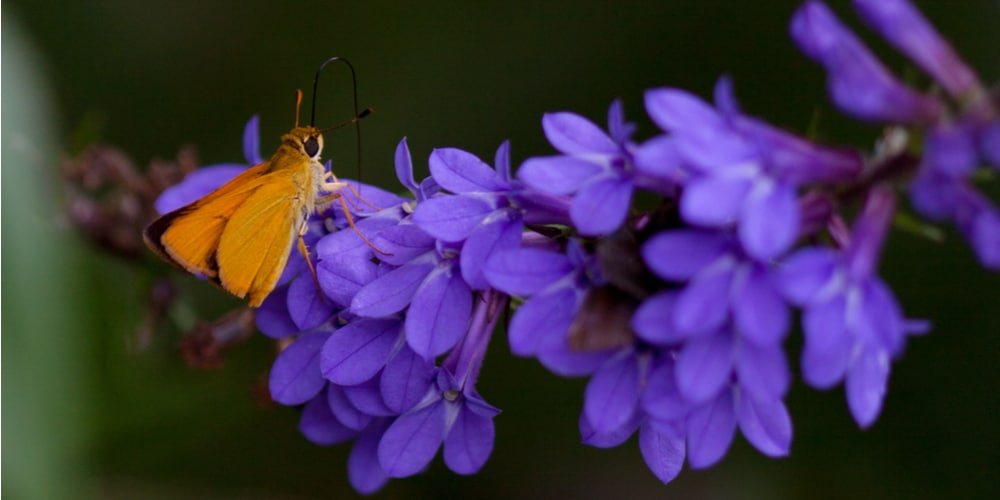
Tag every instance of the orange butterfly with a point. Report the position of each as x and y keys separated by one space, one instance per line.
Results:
x=240 y=235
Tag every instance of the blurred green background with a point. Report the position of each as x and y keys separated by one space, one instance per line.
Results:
x=85 y=416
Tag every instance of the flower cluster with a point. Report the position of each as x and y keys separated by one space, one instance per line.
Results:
x=677 y=313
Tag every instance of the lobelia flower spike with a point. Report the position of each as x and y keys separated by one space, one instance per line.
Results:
x=677 y=315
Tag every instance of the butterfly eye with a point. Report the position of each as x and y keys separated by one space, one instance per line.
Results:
x=311 y=147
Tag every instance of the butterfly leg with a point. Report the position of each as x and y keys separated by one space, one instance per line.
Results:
x=338 y=197
x=332 y=184
x=312 y=269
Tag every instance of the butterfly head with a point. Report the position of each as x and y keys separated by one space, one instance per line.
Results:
x=307 y=140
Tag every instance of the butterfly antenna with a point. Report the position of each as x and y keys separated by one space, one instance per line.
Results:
x=357 y=116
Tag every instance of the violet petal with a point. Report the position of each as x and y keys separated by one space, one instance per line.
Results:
x=469 y=442
x=612 y=394
x=319 y=425
x=410 y=442
x=664 y=455
x=439 y=314
x=600 y=207
x=462 y=172
x=573 y=134
x=766 y=424
x=710 y=431
x=295 y=376
x=356 y=352
x=704 y=367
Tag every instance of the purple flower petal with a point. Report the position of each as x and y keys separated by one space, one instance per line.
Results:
x=404 y=167
x=370 y=195
x=341 y=277
x=661 y=398
x=557 y=174
x=702 y=306
x=295 y=376
x=827 y=347
x=769 y=221
x=880 y=318
x=867 y=379
x=704 y=367
x=713 y=201
x=272 y=317
x=543 y=320
x=664 y=455
x=251 y=141
x=502 y=161
x=342 y=408
x=951 y=150
x=609 y=439
x=674 y=109
x=989 y=143
x=439 y=314
x=804 y=275
x=363 y=470
x=410 y=442
x=561 y=361
x=710 y=431
x=367 y=398
x=679 y=254
x=573 y=134
x=469 y=442
x=653 y=320
x=766 y=424
x=462 y=172
x=319 y=425
x=499 y=232
x=391 y=292
x=763 y=371
x=612 y=394
x=759 y=312
x=858 y=83
x=307 y=308
x=901 y=24
x=659 y=157
x=703 y=137
x=983 y=233
x=405 y=380
x=196 y=185
x=795 y=160
x=525 y=271
x=601 y=207
x=356 y=352
x=451 y=218
x=347 y=242
x=405 y=242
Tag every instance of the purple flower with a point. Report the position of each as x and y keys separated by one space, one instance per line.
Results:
x=725 y=328
x=743 y=171
x=556 y=285
x=721 y=284
x=487 y=211
x=852 y=322
x=858 y=83
x=595 y=167
x=899 y=22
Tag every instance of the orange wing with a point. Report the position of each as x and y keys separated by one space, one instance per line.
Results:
x=189 y=236
x=256 y=241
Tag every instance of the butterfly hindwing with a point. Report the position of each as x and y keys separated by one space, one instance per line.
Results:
x=256 y=241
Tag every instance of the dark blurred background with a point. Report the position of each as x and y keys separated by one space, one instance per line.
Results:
x=86 y=415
